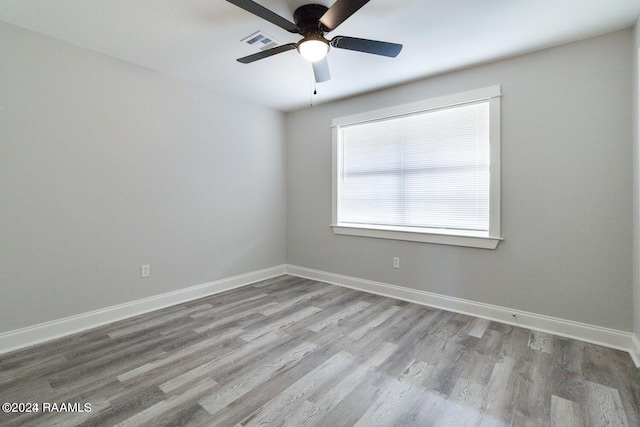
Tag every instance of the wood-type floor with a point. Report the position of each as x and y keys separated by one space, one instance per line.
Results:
x=290 y=351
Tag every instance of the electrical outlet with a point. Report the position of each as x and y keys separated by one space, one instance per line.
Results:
x=144 y=271
x=396 y=262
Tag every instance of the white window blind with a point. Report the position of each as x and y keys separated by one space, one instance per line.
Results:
x=427 y=170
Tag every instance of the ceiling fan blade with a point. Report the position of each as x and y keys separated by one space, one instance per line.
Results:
x=321 y=70
x=339 y=12
x=266 y=14
x=368 y=46
x=267 y=53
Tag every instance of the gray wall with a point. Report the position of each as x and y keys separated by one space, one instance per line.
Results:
x=566 y=189
x=105 y=166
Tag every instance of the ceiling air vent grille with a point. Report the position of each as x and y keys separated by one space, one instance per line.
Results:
x=260 y=41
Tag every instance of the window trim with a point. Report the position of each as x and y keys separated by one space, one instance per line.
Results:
x=444 y=237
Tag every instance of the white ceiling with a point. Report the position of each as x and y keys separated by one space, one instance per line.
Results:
x=199 y=40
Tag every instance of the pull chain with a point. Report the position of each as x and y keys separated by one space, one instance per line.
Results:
x=315 y=92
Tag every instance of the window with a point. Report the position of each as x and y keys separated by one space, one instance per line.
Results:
x=426 y=172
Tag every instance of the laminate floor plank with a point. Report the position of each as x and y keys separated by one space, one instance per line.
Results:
x=172 y=403
x=331 y=397
x=533 y=390
x=179 y=356
x=498 y=399
x=374 y=322
x=253 y=378
x=295 y=395
x=565 y=413
x=15 y=376
x=293 y=301
x=540 y=341
x=295 y=352
x=274 y=325
x=478 y=368
x=224 y=311
x=337 y=317
x=230 y=368
x=476 y=327
x=219 y=363
x=396 y=398
x=239 y=410
x=604 y=406
x=348 y=411
x=464 y=406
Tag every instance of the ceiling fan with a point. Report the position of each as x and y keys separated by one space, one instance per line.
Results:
x=312 y=21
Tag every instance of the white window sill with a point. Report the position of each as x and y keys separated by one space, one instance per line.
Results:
x=450 y=238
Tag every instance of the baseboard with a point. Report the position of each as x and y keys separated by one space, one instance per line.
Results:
x=635 y=350
x=611 y=338
x=20 y=338
x=25 y=337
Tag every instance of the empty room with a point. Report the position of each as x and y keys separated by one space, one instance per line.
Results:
x=341 y=213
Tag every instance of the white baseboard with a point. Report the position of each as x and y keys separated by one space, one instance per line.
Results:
x=635 y=350
x=36 y=334
x=21 y=338
x=611 y=338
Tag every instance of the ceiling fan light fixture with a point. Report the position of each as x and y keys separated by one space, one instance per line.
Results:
x=313 y=48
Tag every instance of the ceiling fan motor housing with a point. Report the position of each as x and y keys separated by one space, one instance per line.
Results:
x=307 y=18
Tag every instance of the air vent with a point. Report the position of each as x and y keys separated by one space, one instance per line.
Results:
x=260 y=41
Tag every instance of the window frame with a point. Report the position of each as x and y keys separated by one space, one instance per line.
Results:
x=482 y=240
